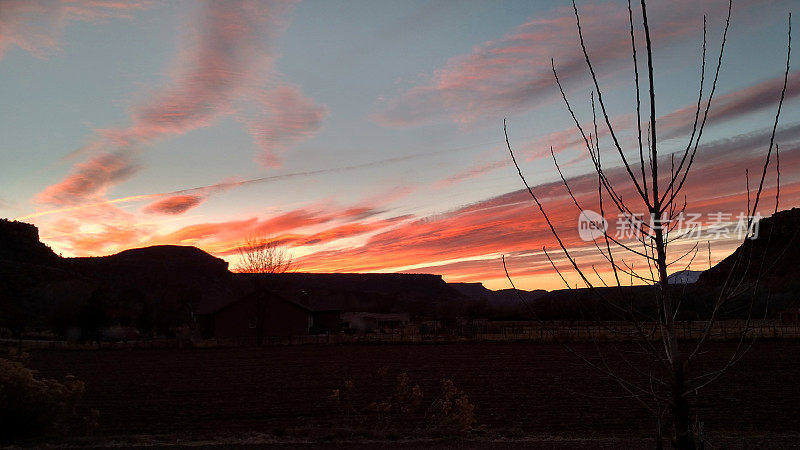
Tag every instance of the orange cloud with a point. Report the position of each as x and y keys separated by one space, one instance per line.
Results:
x=346 y=231
x=465 y=243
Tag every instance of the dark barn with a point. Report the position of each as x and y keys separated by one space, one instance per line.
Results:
x=240 y=319
x=327 y=321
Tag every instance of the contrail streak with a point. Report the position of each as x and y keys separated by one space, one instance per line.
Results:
x=234 y=184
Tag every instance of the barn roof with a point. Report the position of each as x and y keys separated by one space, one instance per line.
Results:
x=210 y=309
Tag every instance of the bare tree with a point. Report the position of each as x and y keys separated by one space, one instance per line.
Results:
x=672 y=374
x=263 y=255
x=263 y=258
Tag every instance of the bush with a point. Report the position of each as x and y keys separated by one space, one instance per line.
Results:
x=403 y=407
x=452 y=412
x=32 y=407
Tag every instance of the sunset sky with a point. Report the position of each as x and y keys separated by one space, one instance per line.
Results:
x=367 y=135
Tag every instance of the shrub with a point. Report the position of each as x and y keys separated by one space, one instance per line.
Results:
x=452 y=412
x=403 y=402
x=449 y=413
x=32 y=406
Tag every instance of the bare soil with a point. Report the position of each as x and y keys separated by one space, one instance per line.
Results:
x=521 y=391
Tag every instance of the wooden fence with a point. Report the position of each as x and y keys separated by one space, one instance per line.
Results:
x=725 y=330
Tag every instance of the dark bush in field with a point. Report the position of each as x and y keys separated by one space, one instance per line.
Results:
x=403 y=405
x=31 y=406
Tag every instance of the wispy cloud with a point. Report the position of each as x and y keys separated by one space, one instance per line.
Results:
x=472 y=172
x=463 y=244
x=89 y=180
x=733 y=105
x=205 y=191
x=513 y=73
x=36 y=26
x=109 y=229
x=284 y=117
x=231 y=50
x=461 y=240
x=676 y=124
x=176 y=204
x=223 y=64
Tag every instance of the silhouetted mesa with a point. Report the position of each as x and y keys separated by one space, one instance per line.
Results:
x=19 y=241
x=170 y=290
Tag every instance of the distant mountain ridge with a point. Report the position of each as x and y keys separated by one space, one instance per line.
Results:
x=171 y=266
x=162 y=285
x=499 y=298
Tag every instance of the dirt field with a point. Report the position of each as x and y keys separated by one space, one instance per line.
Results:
x=518 y=389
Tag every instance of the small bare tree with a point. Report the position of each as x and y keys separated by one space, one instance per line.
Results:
x=263 y=258
x=671 y=376
x=263 y=255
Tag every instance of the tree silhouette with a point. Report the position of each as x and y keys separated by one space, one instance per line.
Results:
x=260 y=257
x=670 y=376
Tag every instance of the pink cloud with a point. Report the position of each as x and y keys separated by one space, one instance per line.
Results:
x=223 y=64
x=513 y=73
x=36 y=25
x=730 y=106
x=472 y=172
x=89 y=180
x=473 y=235
x=176 y=204
x=346 y=231
x=462 y=244
x=230 y=53
x=286 y=117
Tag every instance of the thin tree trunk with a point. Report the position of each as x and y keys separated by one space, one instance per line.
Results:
x=679 y=405
x=684 y=438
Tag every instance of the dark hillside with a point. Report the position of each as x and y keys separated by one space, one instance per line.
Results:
x=774 y=256
x=376 y=292
x=503 y=298
x=19 y=241
x=169 y=264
